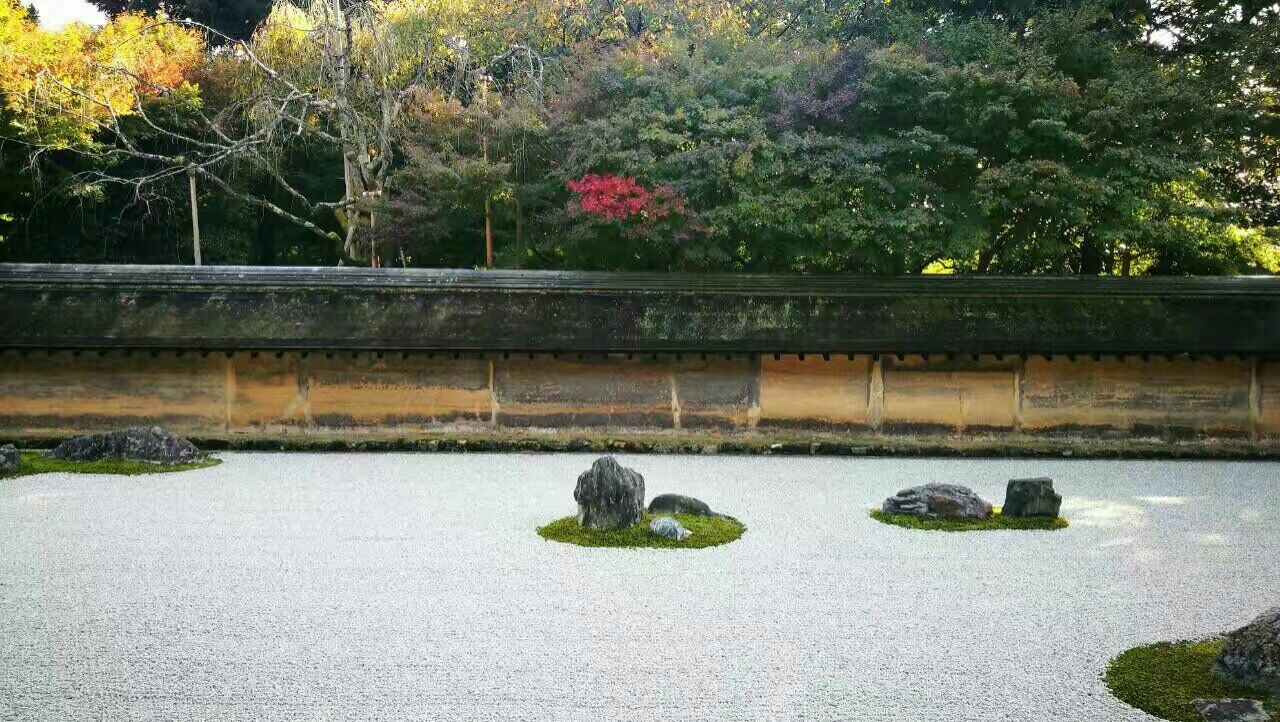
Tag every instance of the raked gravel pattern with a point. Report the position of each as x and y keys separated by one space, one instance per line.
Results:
x=403 y=586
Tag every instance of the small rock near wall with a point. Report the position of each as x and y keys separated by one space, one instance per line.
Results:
x=609 y=495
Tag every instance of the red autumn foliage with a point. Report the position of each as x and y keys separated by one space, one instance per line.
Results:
x=614 y=197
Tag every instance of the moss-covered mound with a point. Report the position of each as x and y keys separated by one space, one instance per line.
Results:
x=1162 y=679
x=707 y=532
x=34 y=463
x=997 y=521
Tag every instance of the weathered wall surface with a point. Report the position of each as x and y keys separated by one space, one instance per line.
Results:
x=324 y=309
x=350 y=354
x=418 y=394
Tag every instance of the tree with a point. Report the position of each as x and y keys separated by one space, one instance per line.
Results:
x=1114 y=136
x=334 y=74
x=236 y=19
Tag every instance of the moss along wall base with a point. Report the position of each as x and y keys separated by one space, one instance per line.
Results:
x=418 y=395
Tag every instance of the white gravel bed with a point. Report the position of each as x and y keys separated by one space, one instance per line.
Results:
x=407 y=586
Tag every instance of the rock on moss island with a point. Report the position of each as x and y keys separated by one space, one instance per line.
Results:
x=665 y=526
x=1231 y=710
x=609 y=495
x=1251 y=655
x=679 y=504
x=153 y=445
x=1031 y=497
x=939 y=501
x=10 y=460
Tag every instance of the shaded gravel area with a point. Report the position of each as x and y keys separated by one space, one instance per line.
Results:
x=396 y=586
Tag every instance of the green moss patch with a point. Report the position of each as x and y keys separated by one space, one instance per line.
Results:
x=996 y=522
x=707 y=532
x=34 y=463
x=1162 y=679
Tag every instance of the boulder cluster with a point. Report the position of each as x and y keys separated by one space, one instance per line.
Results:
x=1023 y=498
x=611 y=496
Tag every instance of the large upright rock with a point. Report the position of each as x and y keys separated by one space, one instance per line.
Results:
x=609 y=495
x=939 y=501
x=10 y=462
x=1031 y=497
x=154 y=445
x=1251 y=655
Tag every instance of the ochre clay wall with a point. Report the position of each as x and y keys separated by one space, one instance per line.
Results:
x=417 y=394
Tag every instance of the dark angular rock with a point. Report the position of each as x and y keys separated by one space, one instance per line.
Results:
x=154 y=445
x=1031 y=497
x=665 y=526
x=1251 y=655
x=1231 y=710
x=609 y=495
x=10 y=462
x=679 y=504
x=939 y=501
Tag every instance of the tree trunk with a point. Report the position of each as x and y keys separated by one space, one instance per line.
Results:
x=1090 y=258
x=985 y=256
x=195 y=216
x=520 y=227
x=488 y=233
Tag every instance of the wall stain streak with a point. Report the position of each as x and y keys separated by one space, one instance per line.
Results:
x=246 y=394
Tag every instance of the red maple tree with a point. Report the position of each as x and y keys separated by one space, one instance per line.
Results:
x=614 y=197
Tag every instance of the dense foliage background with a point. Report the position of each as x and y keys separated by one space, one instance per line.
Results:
x=839 y=136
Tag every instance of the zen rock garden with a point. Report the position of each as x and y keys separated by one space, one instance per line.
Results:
x=611 y=512
x=1028 y=504
x=1231 y=678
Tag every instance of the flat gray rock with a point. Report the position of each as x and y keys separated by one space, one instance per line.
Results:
x=665 y=526
x=679 y=504
x=1031 y=497
x=939 y=501
x=1251 y=655
x=10 y=462
x=1231 y=710
x=153 y=445
x=609 y=495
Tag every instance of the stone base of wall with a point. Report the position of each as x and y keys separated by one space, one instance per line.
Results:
x=858 y=403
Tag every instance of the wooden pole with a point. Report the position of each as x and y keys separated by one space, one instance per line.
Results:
x=488 y=202
x=488 y=231
x=195 y=216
